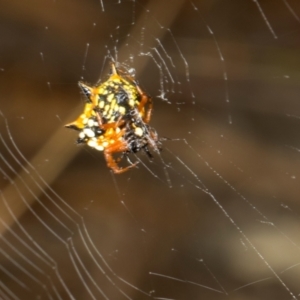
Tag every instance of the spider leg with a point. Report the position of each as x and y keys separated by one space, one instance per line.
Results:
x=113 y=69
x=145 y=100
x=119 y=146
x=108 y=125
x=128 y=159
x=112 y=164
x=146 y=149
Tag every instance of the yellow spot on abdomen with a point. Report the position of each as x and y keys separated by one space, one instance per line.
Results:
x=101 y=104
x=131 y=102
x=138 y=131
x=110 y=97
x=122 y=110
x=106 y=108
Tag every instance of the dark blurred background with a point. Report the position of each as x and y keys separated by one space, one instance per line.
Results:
x=228 y=227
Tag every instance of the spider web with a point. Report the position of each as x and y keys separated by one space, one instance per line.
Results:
x=215 y=214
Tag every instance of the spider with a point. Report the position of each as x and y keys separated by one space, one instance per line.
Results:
x=115 y=119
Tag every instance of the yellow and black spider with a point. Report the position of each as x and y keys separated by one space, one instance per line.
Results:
x=115 y=119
